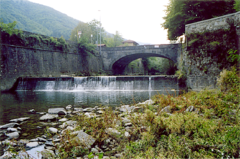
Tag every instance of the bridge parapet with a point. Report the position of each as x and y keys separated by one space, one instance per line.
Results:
x=140 y=47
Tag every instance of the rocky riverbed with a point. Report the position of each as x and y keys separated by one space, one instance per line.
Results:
x=97 y=132
x=58 y=121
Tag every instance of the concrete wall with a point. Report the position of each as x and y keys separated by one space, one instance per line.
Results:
x=42 y=60
x=197 y=79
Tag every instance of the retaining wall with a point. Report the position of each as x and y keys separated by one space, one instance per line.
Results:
x=42 y=60
x=199 y=79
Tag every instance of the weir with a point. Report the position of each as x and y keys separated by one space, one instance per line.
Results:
x=99 y=83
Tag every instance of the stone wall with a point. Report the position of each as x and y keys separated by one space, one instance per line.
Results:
x=42 y=60
x=199 y=79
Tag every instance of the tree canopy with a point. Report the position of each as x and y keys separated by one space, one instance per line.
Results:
x=237 y=5
x=113 y=41
x=179 y=13
x=88 y=29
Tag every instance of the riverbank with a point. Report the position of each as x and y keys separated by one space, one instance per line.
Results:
x=192 y=125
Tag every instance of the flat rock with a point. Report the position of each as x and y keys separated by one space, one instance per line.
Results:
x=10 y=125
x=31 y=145
x=90 y=115
x=84 y=139
x=100 y=112
x=88 y=110
x=13 y=135
x=70 y=128
x=128 y=124
x=33 y=140
x=41 y=113
x=18 y=120
x=63 y=120
x=112 y=131
x=48 y=117
x=78 y=109
x=52 y=130
x=71 y=122
x=59 y=111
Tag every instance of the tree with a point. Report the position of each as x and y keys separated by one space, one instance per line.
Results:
x=237 y=5
x=179 y=13
x=88 y=29
x=9 y=28
x=114 y=41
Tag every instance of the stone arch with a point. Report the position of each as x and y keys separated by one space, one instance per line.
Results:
x=118 y=65
x=118 y=57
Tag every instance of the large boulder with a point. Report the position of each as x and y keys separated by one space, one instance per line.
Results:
x=84 y=139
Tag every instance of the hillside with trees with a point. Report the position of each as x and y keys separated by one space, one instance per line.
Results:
x=36 y=18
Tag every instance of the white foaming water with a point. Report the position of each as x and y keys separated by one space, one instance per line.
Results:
x=99 y=83
x=95 y=83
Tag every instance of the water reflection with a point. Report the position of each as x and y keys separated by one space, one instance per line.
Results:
x=17 y=104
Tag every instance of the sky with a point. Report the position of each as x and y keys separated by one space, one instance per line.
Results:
x=138 y=20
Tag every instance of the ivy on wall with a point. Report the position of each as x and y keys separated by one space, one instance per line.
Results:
x=33 y=40
x=220 y=45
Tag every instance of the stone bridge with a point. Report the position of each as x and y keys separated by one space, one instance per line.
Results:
x=115 y=59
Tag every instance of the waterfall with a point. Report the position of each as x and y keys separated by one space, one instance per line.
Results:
x=99 y=83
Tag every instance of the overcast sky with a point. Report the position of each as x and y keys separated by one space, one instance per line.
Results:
x=137 y=20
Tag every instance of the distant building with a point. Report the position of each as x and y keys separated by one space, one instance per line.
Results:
x=129 y=43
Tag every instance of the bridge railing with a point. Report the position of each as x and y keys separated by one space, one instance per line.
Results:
x=140 y=47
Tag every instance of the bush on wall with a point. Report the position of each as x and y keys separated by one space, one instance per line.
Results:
x=220 y=45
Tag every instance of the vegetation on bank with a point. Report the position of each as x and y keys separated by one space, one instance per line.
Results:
x=12 y=36
x=180 y=13
x=192 y=125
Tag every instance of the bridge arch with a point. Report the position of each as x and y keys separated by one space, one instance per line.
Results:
x=116 y=59
x=118 y=66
